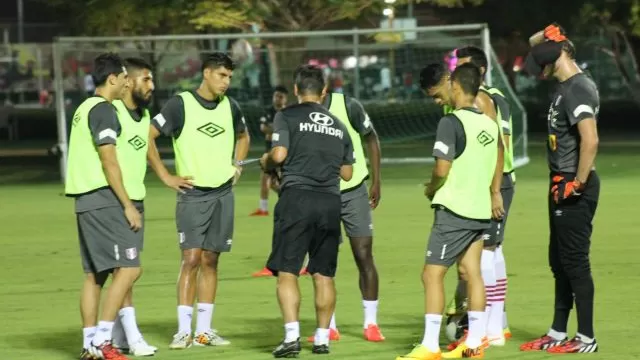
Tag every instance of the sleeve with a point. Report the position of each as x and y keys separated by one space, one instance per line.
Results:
x=280 y=136
x=348 y=157
x=581 y=102
x=505 y=113
x=358 y=117
x=445 y=146
x=239 y=123
x=170 y=120
x=104 y=124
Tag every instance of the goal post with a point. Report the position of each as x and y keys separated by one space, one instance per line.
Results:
x=380 y=67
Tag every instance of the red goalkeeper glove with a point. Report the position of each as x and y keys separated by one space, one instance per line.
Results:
x=555 y=32
x=563 y=189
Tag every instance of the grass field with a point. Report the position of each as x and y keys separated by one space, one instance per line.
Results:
x=41 y=274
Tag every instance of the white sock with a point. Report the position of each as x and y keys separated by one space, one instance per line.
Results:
x=501 y=281
x=291 y=331
x=264 y=204
x=505 y=323
x=128 y=320
x=205 y=314
x=477 y=329
x=332 y=323
x=432 y=324
x=585 y=339
x=103 y=332
x=321 y=337
x=87 y=335
x=185 y=314
x=556 y=335
x=370 y=312
x=494 y=324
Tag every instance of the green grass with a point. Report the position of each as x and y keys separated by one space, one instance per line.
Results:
x=41 y=273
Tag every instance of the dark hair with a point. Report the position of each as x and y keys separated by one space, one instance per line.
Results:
x=281 y=89
x=216 y=60
x=104 y=65
x=309 y=79
x=134 y=63
x=477 y=55
x=569 y=48
x=469 y=77
x=431 y=75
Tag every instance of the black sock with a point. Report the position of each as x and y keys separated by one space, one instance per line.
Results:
x=563 y=304
x=584 y=291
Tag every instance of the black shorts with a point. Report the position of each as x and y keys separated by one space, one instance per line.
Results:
x=305 y=222
x=570 y=225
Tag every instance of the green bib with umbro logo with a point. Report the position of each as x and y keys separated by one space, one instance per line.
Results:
x=132 y=150
x=466 y=192
x=204 y=149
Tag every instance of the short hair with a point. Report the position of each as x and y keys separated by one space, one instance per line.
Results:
x=431 y=75
x=281 y=89
x=569 y=48
x=469 y=77
x=216 y=60
x=135 y=63
x=104 y=65
x=309 y=79
x=477 y=55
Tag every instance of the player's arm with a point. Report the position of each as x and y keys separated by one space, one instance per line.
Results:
x=444 y=151
x=582 y=109
x=104 y=126
x=168 y=122
x=243 y=140
x=362 y=123
x=505 y=111
x=280 y=144
x=488 y=107
x=346 y=167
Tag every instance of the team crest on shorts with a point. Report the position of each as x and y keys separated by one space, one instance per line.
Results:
x=131 y=253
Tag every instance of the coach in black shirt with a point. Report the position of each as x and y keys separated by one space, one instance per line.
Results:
x=314 y=150
x=574 y=189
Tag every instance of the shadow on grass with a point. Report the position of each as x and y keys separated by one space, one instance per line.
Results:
x=65 y=342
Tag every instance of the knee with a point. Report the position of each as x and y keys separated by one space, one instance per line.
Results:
x=576 y=267
x=462 y=273
x=362 y=252
x=190 y=261
x=210 y=260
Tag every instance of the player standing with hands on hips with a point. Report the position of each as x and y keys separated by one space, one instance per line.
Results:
x=574 y=188
x=204 y=125
x=314 y=150
x=108 y=217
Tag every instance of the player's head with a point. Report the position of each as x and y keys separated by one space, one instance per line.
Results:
x=551 y=52
x=309 y=82
x=465 y=84
x=217 y=70
x=280 y=95
x=109 y=74
x=434 y=81
x=141 y=84
x=474 y=55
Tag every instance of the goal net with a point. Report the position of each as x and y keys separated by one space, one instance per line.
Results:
x=380 y=67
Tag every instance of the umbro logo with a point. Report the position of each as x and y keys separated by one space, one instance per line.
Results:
x=137 y=142
x=484 y=138
x=211 y=130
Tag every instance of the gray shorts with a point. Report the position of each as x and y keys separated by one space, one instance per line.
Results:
x=494 y=236
x=206 y=225
x=450 y=237
x=106 y=240
x=356 y=213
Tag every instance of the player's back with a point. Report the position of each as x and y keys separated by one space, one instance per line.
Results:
x=318 y=141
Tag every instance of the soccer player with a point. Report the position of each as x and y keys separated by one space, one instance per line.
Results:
x=279 y=101
x=204 y=125
x=466 y=147
x=434 y=80
x=134 y=120
x=357 y=206
x=105 y=182
x=497 y=327
x=574 y=190
x=314 y=149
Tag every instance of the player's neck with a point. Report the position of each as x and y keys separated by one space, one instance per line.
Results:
x=310 y=99
x=129 y=103
x=206 y=94
x=104 y=93
x=566 y=70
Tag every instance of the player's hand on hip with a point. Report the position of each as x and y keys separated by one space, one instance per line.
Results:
x=562 y=190
x=497 y=206
x=374 y=195
x=429 y=192
x=236 y=176
x=133 y=217
x=179 y=183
